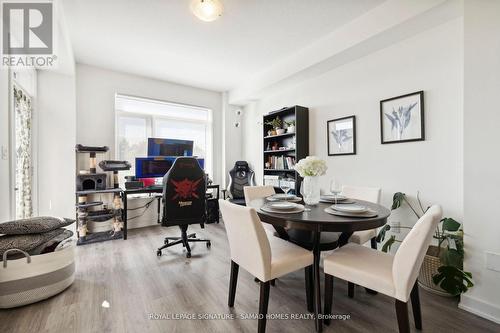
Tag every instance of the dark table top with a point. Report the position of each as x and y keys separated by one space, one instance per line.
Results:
x=317 y=219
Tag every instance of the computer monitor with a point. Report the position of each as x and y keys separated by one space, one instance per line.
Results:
x=155 y=167
x=169 y=147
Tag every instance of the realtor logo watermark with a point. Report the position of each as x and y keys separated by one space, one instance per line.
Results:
x=28 y=34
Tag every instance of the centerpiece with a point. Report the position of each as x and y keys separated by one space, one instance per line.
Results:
x=311 y=168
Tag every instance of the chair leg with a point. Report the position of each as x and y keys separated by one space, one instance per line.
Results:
x=309 y=288
x=350 y=289
x=233 y=280
x=415 y=304
x=402 y=315
x=328 y=298
x=263 y=303
x=373 y=243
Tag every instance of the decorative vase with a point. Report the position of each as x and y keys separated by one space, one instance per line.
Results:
x=311 y=190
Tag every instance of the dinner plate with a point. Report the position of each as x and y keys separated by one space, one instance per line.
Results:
x=268 y=209
x=352 y=208
x=367 y=214
x=282 y=196
x=283 y=205
x=292 y=199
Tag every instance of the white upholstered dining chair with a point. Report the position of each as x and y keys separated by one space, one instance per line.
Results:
x=394 y=276
x=257 y=192
x=264 y=256
x=371 y=194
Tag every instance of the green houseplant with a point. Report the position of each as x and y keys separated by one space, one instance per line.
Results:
x=442 y=270
x=276 y=125
x=290 y=126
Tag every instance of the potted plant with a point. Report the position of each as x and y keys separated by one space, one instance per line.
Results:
x=276 y=125
x=290 y=126
x=442 y=270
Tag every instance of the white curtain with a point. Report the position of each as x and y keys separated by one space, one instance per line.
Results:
x=23 y=113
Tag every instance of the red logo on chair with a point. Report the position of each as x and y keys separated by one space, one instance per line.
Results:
x=186 y=189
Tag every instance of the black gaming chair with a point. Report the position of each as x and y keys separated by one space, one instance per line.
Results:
x=239 y=176
x=184 y=188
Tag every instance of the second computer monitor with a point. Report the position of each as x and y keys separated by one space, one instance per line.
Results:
x=169 y=147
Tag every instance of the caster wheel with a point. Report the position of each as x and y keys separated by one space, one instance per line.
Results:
x=158 y=253
x=165 y=241
x=188 y=255
x=209 y=245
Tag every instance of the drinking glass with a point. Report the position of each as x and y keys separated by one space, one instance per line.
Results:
x=285 y=186
x=335 y=188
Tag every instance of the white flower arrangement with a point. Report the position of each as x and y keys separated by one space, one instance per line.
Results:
x=311 y=166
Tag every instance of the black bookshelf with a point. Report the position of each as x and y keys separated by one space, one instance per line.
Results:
x=286 y=145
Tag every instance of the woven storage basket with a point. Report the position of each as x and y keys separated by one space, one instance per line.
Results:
x=34 y=278
x=429 y=268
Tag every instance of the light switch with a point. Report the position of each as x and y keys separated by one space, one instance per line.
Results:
x=493 y=261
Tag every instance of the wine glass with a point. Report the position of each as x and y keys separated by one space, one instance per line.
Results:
x=285 y=187
x=335 y=188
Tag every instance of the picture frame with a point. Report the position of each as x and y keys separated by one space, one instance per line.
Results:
x=402 y=118
x=341 y=136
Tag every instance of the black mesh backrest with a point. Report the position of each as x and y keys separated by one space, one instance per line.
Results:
x=241 y=176
x=184 y=188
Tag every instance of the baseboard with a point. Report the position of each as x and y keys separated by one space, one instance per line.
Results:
x=480 y=308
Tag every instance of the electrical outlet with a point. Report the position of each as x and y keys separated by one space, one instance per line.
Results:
x=493 y=261
x=4 y=153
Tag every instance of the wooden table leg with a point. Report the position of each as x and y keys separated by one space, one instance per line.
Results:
x=317 y=287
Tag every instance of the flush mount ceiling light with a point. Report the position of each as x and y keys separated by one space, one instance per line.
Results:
x=207 y=10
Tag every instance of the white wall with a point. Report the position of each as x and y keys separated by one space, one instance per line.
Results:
x=95 y=98
x=482 y=161
x=430 y=61
x=56 y=144
x=4 y=144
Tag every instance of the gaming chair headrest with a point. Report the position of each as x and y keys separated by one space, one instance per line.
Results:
x=241 y=166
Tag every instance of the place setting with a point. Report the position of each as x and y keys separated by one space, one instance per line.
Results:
x=283 y=207
x=350 y=210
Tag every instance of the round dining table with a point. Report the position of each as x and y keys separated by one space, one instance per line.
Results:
x=316 y=220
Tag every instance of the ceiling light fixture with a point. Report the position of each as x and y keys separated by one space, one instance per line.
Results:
x=207 y=10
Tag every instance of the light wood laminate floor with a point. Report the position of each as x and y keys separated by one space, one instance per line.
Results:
x=137 y=283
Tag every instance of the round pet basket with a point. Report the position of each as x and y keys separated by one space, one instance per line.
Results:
x=429 y=268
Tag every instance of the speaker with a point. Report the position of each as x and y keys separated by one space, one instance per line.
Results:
x=91 y=182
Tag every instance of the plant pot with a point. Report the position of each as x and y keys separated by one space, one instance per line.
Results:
x=428 y=269
x=273 y=132
x=280 y=131
x=290 y=129
x=311 y=190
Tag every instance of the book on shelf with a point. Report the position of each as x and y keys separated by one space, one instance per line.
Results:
x=281 y=162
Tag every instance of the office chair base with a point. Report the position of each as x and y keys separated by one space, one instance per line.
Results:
x=185 y=239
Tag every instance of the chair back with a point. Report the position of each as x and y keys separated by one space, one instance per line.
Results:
x=371 y=194
x=248 y=241
x=257 y=192
x=411 y=252
x=184 y=188
x=240 y=176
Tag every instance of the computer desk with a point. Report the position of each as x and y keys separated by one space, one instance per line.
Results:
x=158 y=190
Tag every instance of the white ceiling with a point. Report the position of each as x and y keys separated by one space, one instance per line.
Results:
x=163 y=40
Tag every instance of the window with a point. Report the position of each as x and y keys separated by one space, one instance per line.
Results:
x=138 y=119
